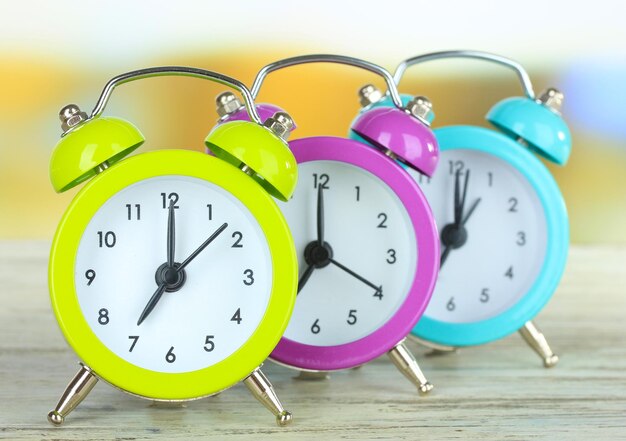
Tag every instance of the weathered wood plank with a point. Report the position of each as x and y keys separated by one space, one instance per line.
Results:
x=498 y=392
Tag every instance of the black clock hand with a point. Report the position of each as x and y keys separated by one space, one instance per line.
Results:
x=457 y=216
x=171 y=275
x=171 y=236
x=458 y=208
x=171 y=240
x=305 y=277
x=444 y=255
x=152 y=303
x=457 y=197
x=171 y=272
x=454 y=235
x=202 y=247
x=456 y=242
x=353 y=274
x=458 y=220
x=320 y=215
x=320 y=237
x=470 y=211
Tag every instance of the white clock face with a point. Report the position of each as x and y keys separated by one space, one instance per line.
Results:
x=506 y=236
x=370 y=234
x=217 y=307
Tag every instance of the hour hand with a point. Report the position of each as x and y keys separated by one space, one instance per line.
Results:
x=470 y=211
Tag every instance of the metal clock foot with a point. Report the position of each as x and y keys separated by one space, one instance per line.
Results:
x=436 y=349
x=440 y=353
x=164 y=404
x=537 y=341
x=312 y=375
x=406 y=363
x=76 y=391
x=263 y=391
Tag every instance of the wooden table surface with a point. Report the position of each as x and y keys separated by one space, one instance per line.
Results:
x=499 y=391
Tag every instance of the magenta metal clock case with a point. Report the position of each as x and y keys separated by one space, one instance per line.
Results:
x=400 y=133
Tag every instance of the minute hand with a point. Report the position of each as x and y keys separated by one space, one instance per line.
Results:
x=171 y=236
x=151 y=303
x=460 y=203
x=202 y=247
x=355 y=275
x=320 y=215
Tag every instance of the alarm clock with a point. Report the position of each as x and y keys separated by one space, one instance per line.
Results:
x=365 y=236
x=172 y=273
x=502 y=219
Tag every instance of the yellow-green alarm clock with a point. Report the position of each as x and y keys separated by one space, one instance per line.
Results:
x=173 y=273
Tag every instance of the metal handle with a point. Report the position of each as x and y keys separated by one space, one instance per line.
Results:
x=478 y=55
x=326 y=58
x=175 y=71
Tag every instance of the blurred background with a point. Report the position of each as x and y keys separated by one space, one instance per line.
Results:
x=54 y=53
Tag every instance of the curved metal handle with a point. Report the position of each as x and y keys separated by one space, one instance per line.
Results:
x=478 y=55
x=326 y=58
x=175 y=71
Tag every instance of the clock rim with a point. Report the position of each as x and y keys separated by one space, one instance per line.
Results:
x=396 y=329
x=123 y=374
x=530 y=304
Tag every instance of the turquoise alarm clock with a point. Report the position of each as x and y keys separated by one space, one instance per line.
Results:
x=502 y=219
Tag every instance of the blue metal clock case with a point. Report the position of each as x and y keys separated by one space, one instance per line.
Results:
x=507 y=149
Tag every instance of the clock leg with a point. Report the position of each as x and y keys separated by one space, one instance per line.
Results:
x=436 y=349
x=537 y=341
x=263 y=391
x=439 y=353
x=164 y=404
x=76 y=391
x=312 y=375
x=406 y=363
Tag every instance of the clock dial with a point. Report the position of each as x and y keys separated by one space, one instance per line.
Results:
x=222 y=299
x=365 y=271
x=506 y=238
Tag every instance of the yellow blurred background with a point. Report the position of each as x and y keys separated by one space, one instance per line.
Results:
x=54 y=53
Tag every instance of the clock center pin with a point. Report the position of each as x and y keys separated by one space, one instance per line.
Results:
x=170 y=277
x=318 y=255
x=454 y=236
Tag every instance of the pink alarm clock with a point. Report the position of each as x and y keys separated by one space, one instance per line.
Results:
x=365 y=235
